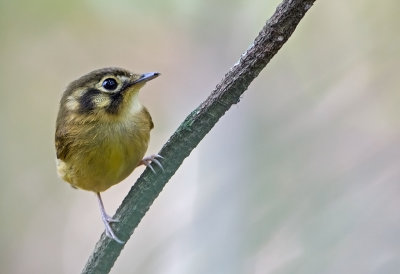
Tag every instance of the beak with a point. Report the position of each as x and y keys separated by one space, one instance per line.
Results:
x=143 y=78
x=146 y=77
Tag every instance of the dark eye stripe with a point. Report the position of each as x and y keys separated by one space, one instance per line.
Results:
x=86 y=103
x=116 y=100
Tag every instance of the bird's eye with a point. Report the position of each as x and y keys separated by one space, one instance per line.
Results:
x=110 y=84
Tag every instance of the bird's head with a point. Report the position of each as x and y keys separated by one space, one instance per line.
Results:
x=105 y=93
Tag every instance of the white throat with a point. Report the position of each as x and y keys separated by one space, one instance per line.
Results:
x=135 y=106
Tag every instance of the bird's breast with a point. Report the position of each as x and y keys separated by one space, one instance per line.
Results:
x=108 y=153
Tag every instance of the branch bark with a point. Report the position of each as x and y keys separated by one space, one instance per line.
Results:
x=274 y=34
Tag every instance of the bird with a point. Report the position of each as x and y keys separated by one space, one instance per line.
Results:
x=102 y=132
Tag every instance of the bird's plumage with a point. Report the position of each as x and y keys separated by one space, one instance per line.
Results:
x=101 y=136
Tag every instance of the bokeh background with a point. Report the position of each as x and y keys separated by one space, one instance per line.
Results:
x=302 y=176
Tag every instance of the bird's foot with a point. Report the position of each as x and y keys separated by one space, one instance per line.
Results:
x=107 y=220
x=147 y=161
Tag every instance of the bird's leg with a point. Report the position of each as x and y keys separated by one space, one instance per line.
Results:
x=148 y=160
x=107 y=220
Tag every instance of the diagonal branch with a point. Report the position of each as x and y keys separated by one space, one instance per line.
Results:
x=274 y=34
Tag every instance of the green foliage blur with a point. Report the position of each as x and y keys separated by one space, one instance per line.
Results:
x=302 y=176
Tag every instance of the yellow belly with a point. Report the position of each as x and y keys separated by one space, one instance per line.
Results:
x=105 y=157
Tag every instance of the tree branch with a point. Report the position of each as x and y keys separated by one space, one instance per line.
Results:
x=139 y=199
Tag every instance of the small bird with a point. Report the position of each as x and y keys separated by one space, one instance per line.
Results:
x=102 y=132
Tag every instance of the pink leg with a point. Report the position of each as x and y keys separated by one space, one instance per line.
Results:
x=147 y=161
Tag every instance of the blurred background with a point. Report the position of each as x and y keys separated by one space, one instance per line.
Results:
x=302 y=176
